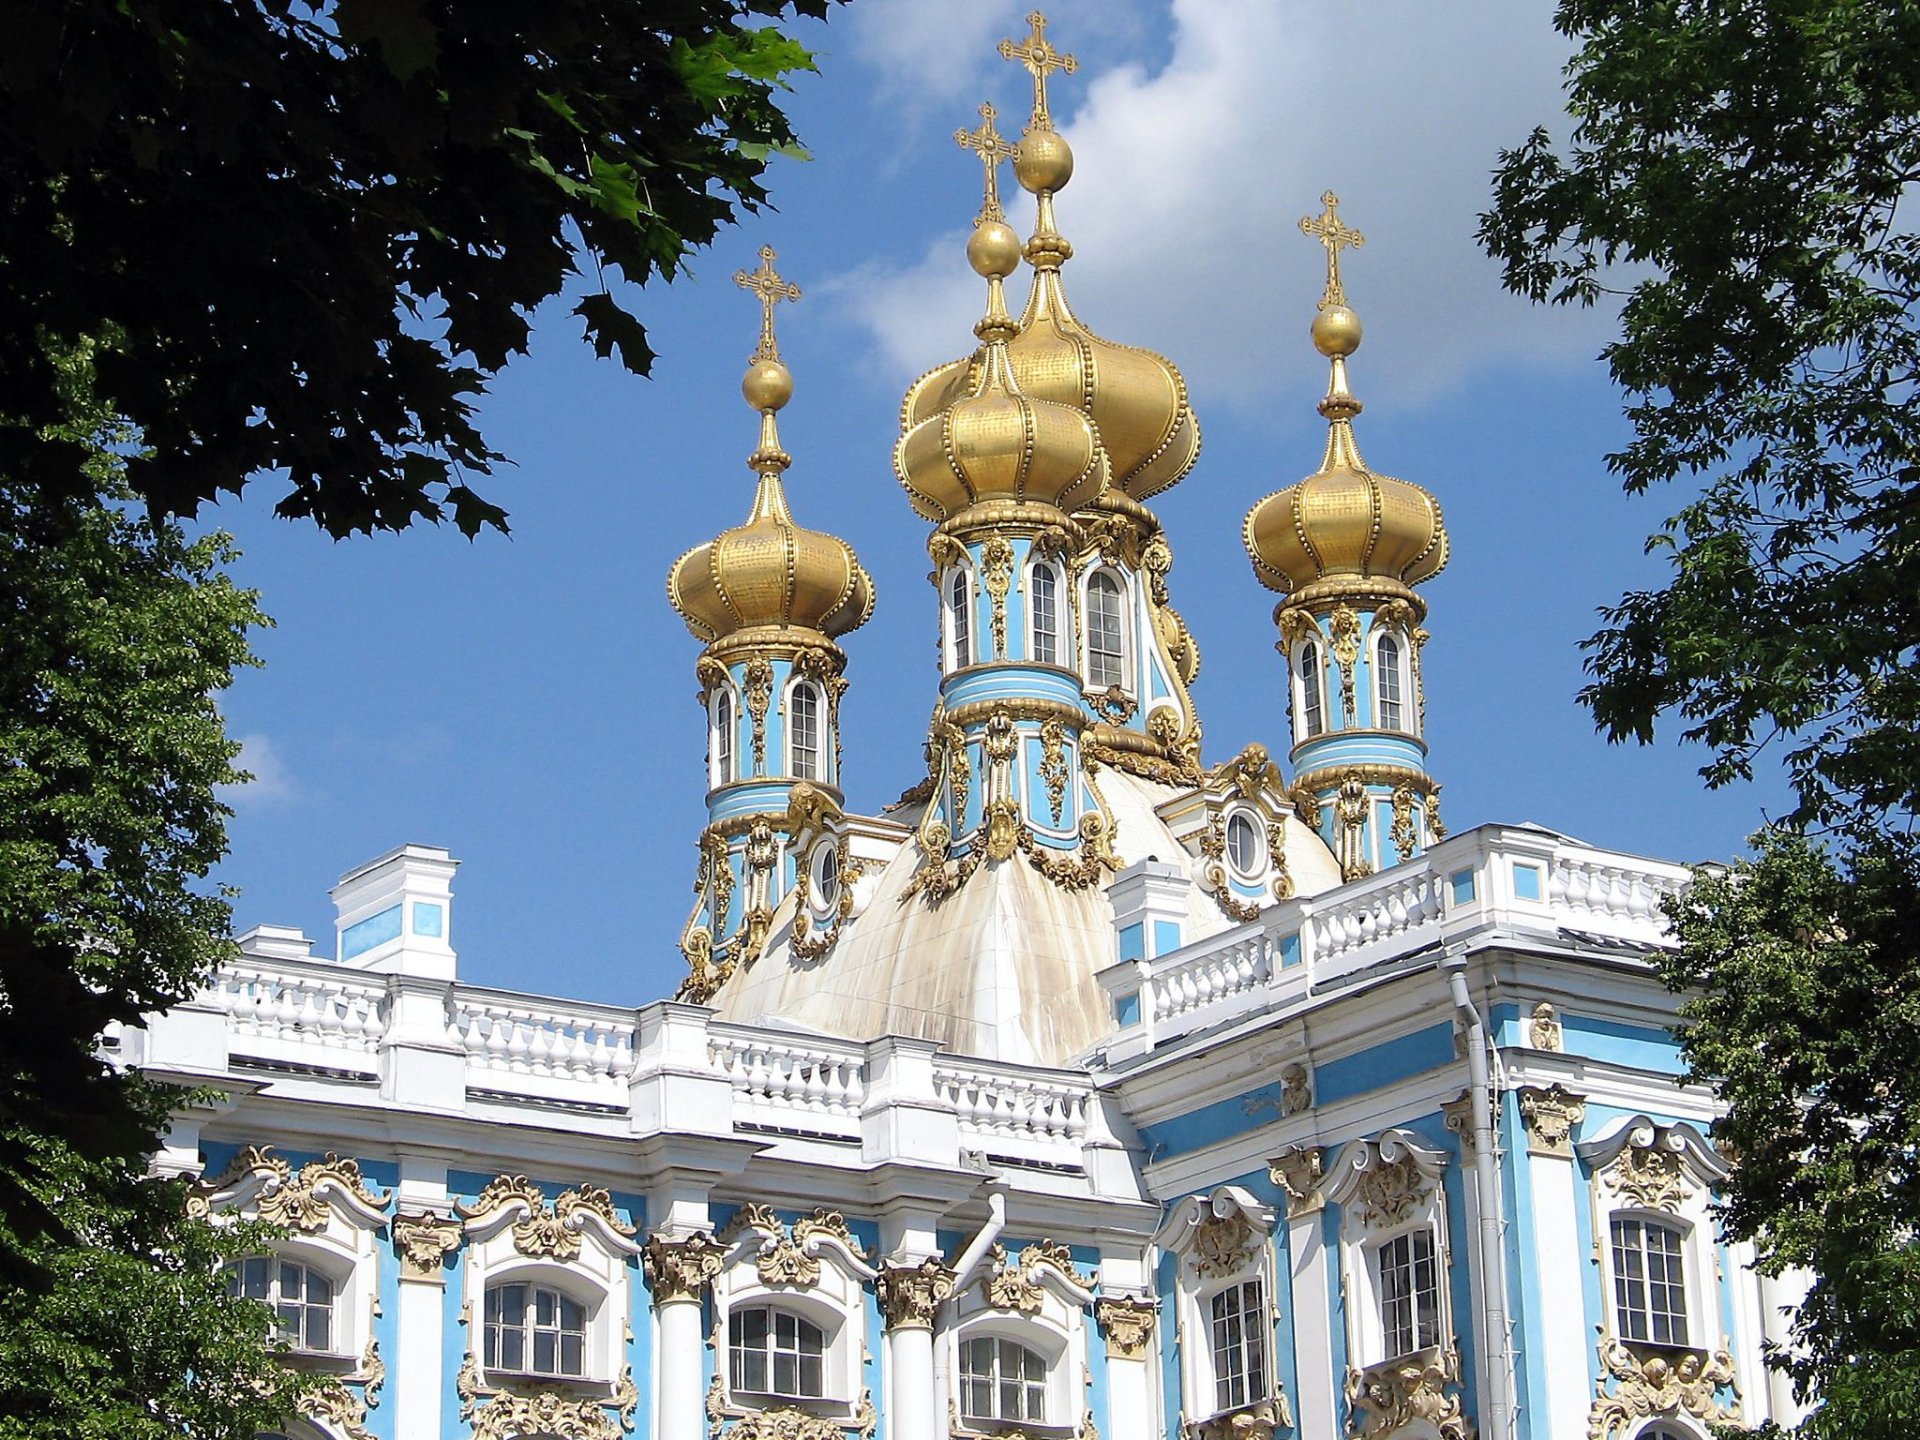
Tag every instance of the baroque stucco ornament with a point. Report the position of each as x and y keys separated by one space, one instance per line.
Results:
x=1017 y=1284
x=909 y=1294
x=1296 y=1170
x=505 y=1413
x=1658 y=1167
x=1127 y=1323
x=1551 y=1113
x=423 y=1242
x=678 y=1271
x=547 y=1232
x=1257 y=1421
x=1654 y=1383
x=1422 y=1388
x=302 y=1200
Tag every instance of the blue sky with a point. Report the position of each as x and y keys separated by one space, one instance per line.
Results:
x=528 y=701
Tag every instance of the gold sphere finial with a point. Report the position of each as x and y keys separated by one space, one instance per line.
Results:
x=1043 y=161
x=1336 y=331
x=993 y=250
x=768 y=385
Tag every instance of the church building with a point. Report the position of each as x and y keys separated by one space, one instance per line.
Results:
x=1093 y=1090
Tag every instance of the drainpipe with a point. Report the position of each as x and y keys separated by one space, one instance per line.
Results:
x=976 y=1250
x=1495 y=1351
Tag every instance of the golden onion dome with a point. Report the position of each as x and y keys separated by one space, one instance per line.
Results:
x=1136 y=398
x=994 y=442
x=770 y=571
x=1344 y=520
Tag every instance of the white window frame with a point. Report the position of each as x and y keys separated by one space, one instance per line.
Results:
x=1206 y=1269
x=723 y=737
x=1366 y=1230
x=1055 y=1330
x=1687 y=1210
x=776 y=1310
x=1424 y=1321
x=958 y=617
x=1001 y=1342
x=567 y=1289
x=1124 y=594
x=1307 y=673
x=822 y=749
x=822 y=897
x=835 y=1303
x=1252 y=1378
x=1681 y=1231
x=1401 y=671
x=1056 y=612
x=310 y=1261
x=1262 y=861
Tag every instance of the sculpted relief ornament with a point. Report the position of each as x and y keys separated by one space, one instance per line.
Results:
x=785 y=1422
x=678 y=1270
x=548 y=1233
x=302 y=1201
x=423 y=1241
x=1127 y=1323
x=1653 y=1385
x=1654 y=1166
x=910 y=1294
x=1422 y=1388
x=1020 y=1285
x=508 y=1412
x=1551 y=1115
x=791 y=1257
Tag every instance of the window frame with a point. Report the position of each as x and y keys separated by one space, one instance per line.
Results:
x=1309 y=670
x=770 y=1352
x=816 y=705
x=1207 y=1267
x=537 y=1284
x=723 y=725
x=957 y=617
x=1253 y=1378
x=1053 y=611
x=1240 y=816
x=1367 y=1231
x=1399 y=673
x=310 y=1266
x=1123 y=656
x=1001 y=1343
x=1424 y=1323
x=1679 y=1231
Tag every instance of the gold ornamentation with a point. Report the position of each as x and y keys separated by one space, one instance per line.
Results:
x=1434 y=825
x=333 y=1404
x=1420 y=638
x=1350 y=817
x=1406 y=839
x=678 y=1270
x=1053 y=764
x=1296 y=1170
x=1255 y=1421
x=1650 y=1175
x=785 y=1422
x=543 y=1232
x=1095 y=861
x=1550 y=1115
x=1222 y=1244
x=771 y=288
x=758 y=678
x=1333 y=233
x=1277 y=852
x=373 y=1372
x=1543 y=1031
x=1386 y=1398
x=293 y=1200
x=711 y=674
x=1249 y=774
x=1114 y=705
x=910 y=1294
x=1177 y=771
x=1343 y=631
x=996 y=574
x=1015 y=1285
x=424 y=1241
x=1390 y=1190
x=1127 y=1323
x=1306 y=804
x=992 y=150
x=1036 y=52
x=1650 y=1383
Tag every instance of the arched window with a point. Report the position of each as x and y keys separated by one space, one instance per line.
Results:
x=1649 y=1280
x=1313 y=712
x=803 y=732
x=825 y=878
x=1409 y=1291
x=1243 y=843
x=1106 y=633
x=1237 y=1335
x=534 y=1330
x=959 y=619
x=1043 y=596
x=301 y=1298
x=1388 y=684
x=722 y=744
x=775 y=1352
x=1002 y=1380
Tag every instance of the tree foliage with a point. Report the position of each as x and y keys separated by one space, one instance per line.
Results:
x=1806 y=1018
x=1743 y=162
x=304 y=232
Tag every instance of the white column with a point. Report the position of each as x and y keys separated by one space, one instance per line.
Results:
x=1551 y=1115
x=678 y=1273
x=909 y=1296
x=424 y=1233
x=1315 y=1407
x=1128 y=1325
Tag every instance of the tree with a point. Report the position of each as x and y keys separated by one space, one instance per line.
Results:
x=1747 y=159
x=303 y=233
x=1737 y=168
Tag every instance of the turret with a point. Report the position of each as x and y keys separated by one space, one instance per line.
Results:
x=1345 y=547
x=770 y=598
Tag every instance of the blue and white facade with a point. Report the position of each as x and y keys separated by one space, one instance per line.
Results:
x=1089 y=1092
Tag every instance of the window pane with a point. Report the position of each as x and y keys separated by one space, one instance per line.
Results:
x=572 y=1354
x=513 y=1349
x=545 y=1352
x=1387 y=663
x=1313 y=715
x=319 y=1328
x=1105 y=633
x=786 y=1374
x=813 y=1376
x=544 y=1304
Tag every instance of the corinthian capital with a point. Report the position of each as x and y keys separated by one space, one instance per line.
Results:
x=679 y=1270
x=909 y=1294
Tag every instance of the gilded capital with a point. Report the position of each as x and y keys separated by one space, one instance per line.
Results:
x=424 y=1240
x=1127 y=1323
x=909 y=1294
x=678 y=1270
x=1550 y=1114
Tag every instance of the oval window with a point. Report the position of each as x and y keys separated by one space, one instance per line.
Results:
x=1243 y=843
x=826 y=875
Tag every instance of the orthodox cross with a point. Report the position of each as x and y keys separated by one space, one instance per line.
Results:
x=1332 y=233
x=767 y=283
x=987 y=144
x=1036 y=52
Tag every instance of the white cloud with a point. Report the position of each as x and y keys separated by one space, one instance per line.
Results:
x=273 y=782
x=1190 y=179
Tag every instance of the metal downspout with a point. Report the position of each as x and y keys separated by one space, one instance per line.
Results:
x=1496 y=1367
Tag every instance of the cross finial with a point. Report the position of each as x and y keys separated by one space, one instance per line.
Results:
x=767 y=283
x=987 y=144
x=1331 y=232
x=1036 y=52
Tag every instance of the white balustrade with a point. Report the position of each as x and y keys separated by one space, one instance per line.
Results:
x=1240 y=963
x=1015 y=1114
x=512 y=1036
x=299 y=1008
x=791 y=1085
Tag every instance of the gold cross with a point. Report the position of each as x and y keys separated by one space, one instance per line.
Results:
x=987 y=144
x=1036 y=52
x=772 y=289
x=1330 y=232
